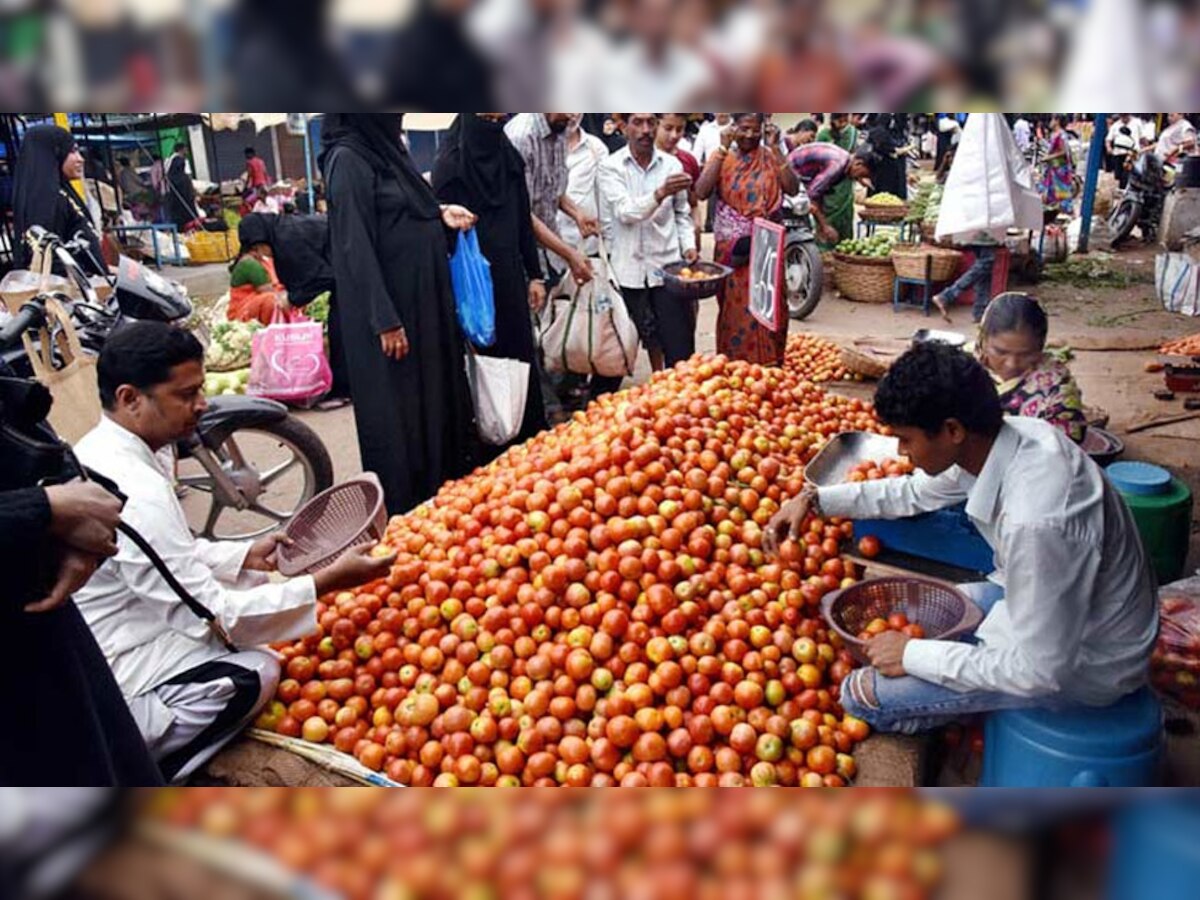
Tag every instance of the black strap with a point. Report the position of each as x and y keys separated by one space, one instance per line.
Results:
x=247 y=687
x=198 y=609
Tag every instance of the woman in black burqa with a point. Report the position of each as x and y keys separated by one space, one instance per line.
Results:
x=389 y=247
x=44 y=195
x=478 y=167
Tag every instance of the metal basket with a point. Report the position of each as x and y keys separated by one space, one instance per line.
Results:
x=941 y=609
x=344 y=516
x=695 y=290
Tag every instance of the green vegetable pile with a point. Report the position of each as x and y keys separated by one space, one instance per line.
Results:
x=879 y=246
x=927 y=204
x=218 y=383
x=229 y=345
x=318 y=309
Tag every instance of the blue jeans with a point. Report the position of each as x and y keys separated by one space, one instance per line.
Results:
x=909 y=705
x=979 y=276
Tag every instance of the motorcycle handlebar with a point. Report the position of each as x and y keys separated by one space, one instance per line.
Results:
x=31 y=315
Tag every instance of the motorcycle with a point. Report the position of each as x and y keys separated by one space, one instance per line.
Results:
x=236 y=471
x=803 y=271
x=1140 y=205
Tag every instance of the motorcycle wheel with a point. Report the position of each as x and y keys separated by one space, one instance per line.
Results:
x=278 y=467
x=1122 y=221
x=804 y=278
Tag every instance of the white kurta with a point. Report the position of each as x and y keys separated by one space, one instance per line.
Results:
x=1079 y=616
x=146 y=632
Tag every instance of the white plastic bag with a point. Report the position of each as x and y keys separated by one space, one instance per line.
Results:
x=1177 y=277
x=591 y=333
x=499 y=390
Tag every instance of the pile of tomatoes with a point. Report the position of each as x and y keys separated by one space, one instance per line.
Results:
x=816 y=359
x=378 y=845
x=595 y=608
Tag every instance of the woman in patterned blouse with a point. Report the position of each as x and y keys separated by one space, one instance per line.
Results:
x=1012 y=346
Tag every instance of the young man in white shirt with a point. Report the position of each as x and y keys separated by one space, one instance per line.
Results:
x=1071 y=611
x=1178 y=138
x=188 y=691
x=647 y=220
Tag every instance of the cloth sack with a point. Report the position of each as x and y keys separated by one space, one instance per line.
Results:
x=287 y=360
x=474 y=296
x=499 y=391
x=590 y=332
x=1177 y=277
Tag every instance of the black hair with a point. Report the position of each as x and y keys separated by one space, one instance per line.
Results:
x=807 y=125
x=1014 y=311
x=123 y=160
x=251 y=152
x=867 y=154
x=143 y=354
x=933 y=383
x=738 y=116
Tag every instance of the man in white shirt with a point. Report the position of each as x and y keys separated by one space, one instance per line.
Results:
x=1121 y=143
x=585 y=152
x=1178 y=138
x=647 y=220
x=189 y=692
x=708 y=139
x=1078 y=616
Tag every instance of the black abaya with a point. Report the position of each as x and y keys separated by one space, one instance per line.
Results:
x=43 y=196
x=181 y=193
x=481 y=170
x=390 y=263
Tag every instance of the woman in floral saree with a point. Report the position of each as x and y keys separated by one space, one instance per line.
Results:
x=1012 y=347
x=1058 y=172
x=747 y=179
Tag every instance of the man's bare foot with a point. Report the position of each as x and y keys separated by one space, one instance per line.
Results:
x=940 y=303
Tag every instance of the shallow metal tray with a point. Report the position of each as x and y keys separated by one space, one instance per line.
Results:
x=846 y=450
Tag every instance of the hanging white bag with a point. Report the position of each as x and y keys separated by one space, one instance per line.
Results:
x=591 y=333
x=499 y=391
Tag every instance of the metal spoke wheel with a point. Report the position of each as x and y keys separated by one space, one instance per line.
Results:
x=277 y=468
x=803 y=278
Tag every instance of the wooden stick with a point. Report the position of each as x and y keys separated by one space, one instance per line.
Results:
x=1165 y=420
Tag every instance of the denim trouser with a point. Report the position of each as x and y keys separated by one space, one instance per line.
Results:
x=979 y=276
x=910 y=705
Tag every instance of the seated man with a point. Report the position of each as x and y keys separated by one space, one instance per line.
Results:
x=1078 y=616
x=188 y=691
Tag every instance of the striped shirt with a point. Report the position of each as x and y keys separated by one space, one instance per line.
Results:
x=545 y=155
x=819 y=167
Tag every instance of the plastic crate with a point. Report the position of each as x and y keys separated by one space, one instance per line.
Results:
x=212 y=246
x=946 y=536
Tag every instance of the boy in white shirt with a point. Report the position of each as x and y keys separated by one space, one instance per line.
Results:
x=1070 y=610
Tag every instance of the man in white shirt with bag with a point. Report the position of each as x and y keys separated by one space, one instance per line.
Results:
x=1071 y=615
x=647 y=221
x=189 y=690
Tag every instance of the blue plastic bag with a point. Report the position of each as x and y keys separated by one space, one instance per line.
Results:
x=474 y=298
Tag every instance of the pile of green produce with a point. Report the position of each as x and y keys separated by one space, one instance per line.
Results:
x=878 y=246
x=920 y=204
x=318 y=309
x=229 y=345
x=217 y=383
x=885 y=199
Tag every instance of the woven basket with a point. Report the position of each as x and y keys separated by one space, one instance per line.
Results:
x=346 y=515
x=865 y=279
x=909 y=260
x=211 y=246
x=941 y=609
x=863 y=364
x=883 y=213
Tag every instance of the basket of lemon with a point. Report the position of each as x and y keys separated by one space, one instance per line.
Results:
x=884 y=207
x=694 y=281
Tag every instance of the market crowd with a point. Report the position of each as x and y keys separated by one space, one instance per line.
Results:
x=150 y=690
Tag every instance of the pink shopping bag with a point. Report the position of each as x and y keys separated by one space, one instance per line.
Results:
x=287 y=360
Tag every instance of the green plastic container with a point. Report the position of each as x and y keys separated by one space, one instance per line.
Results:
x=1162 y=508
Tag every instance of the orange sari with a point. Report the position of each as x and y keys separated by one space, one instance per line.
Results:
x=749 y=188
x=247 y=302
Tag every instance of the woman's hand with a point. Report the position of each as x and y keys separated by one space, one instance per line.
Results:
x=458 y=217
x=727 y=135
x=281 y=302
x=537 y=295
x=85 y=516
x=394 y=343
x=829 y=234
